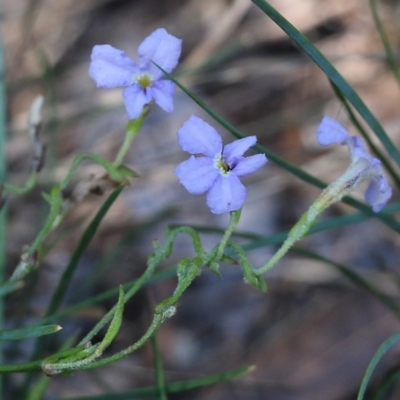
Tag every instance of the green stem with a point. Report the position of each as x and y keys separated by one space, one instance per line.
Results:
x=235 y=217
x=109 y=167
x=159 y=370
x=26 y=367
x=332 y=194
x=163 y=311
x=29 y=184
x=366 y=137
x=132 y=129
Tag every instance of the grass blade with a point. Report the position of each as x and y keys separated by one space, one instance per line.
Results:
x=26 y=333
x=385 y=346
x=175 y=387
x=331 y=72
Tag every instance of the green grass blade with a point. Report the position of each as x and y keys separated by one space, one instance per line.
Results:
x=385 y=346
x=333 y=75
x=83 y=244
x=391 y=59
x=387 y=385
x=159 y=369
x=168 y=273
x=27 y=333
x=67 y=275
x=175 y=387
x=355 y=278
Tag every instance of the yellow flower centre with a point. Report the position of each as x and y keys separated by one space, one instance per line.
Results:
x=144 y=80
x=220 y=164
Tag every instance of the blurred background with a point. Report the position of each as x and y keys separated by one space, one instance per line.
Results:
x=312 y=335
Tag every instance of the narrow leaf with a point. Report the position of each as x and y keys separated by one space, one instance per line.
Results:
x=175 y=387
x=332 y=74
x=26 y=333
x=385 y=346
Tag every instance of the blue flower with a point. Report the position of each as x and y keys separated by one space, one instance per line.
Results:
x=111 y=68
x=363 y=166
x=218 y=172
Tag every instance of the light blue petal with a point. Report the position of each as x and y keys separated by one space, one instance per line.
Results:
x=162 y=48
x=249 y=164
x=163 y=93
x=378 y=192
x=330 y=131
x=135 y=98
x=357 y=149
x=196 y=174
x=198 y=137
x=226 y=194
x=111 y=67
x=237 y=148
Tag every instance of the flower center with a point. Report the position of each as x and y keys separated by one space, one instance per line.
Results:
x=220 y=164
x=144 y=80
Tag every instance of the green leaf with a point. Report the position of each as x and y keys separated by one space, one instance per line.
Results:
x=356 y=278
x=116 y=322
x=127 y=172
x=83 y=244
x=26 y=333
x=385 y=346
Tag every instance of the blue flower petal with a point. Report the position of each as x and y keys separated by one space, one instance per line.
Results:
x=330 y=131
x=162 y=48
x=249 y=164
x=111 y=67
x=237 y=148
x=198 y=137
x=357 y=149
x=163 y=93
x=196 y=174
x=226 y=194
x=135 y=98
x=378 y=191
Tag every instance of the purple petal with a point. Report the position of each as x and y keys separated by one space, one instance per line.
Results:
x=226 y=194
x=237 y=148
x=111 y=67
x=163 y=93
x=330 y=131
x=162 y=48
x=198 y=137
x=357 y=149
x=196 y=174
x=249 y=164
x=135 y=98
x=378 y=193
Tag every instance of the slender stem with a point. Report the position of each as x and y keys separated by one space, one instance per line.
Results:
x=111 y=169
x=29 y=184
x=135 y=287
x=132 y=129
x=235 y=217
x=159 y=370
x=26 y=367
